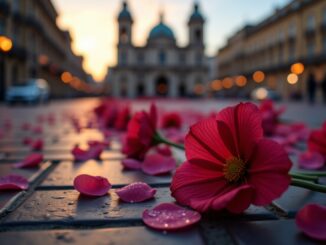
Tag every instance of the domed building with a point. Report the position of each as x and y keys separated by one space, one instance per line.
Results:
x=161 y=67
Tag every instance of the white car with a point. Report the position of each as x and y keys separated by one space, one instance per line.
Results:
x=32 y=91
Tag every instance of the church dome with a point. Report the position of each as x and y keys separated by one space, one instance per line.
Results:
x=196 y=14
x=161 y=30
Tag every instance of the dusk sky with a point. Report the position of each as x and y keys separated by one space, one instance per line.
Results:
x=93 y=24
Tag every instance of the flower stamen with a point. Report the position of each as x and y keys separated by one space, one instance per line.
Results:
x=234 y=169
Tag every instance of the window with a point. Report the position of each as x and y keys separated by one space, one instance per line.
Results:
x=123 y=58
x=311 y=23
x=324 y=16
x=182 y=58
x=292 y=50
x=292 y=30
x=310 y=48
x=324 y=44
x=162 y=57
x=16 y=5
x=198 y=35
x=141 y=58
x=198 y=59
x=124 y=35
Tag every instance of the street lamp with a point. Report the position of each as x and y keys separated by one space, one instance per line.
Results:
x=5 y=44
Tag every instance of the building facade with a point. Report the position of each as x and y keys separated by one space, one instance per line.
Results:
x=40 y=49
x=279 y=53
x=161 y=67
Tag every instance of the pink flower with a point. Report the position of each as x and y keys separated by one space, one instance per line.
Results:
x=317 y=140
x=136 y=192
x=168 y=216
x=311 y=160
x=13 y=182
x=30 y=161
x=312 y=221
x=229 y=163
x=91 y=185
x=140 y=134
x=171 y=120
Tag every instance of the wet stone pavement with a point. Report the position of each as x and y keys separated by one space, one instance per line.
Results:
x=52 y=212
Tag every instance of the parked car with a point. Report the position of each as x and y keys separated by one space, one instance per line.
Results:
x=32 y=91
x=263 y=93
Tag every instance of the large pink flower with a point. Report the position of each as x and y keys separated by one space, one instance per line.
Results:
x=317 y=140
x=140 y=134
x=229 y=163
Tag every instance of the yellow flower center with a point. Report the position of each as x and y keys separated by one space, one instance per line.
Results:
x=234 y=169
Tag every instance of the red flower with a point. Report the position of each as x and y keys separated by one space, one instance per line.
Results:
x=122 y=119
x=140 y=134
x=317 y=140
x=270 y=116
x=229 y=163
x=171 y=120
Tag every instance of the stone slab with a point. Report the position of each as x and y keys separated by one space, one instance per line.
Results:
x=64 y=174
x=129 y=235
x=280 y=232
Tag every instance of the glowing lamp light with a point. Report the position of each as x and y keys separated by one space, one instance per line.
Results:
x=241 y=81
x=216 y=85
x=5 y=44
x=297 y=68
x=66 y=77
x=292 y=78
x=261 y=93
x=43 y=59
x=258 y=76
x=227 y=83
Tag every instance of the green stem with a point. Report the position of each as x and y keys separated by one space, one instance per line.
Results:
x=159 y=139
x=308 y=185
x=304 y=177
x=312 y=173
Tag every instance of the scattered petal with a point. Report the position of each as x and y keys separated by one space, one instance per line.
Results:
x=130 y=163
x=37 y=145
x=92 y=185
x=13 y=182
x=311 y=219
x=93 y=152
x=30 y=161
x=156 y=164
x=311 y=160
x=168 y=216
x=136 y=192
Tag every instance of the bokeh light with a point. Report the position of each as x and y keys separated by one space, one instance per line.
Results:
x=216 y=85
x=66 y=77
x=258 y=76
x=261 y=93
x=297 y=68
x=43 y=59
x=5 y=44
x=227 y=83
x=241 y=81
x=292 y=78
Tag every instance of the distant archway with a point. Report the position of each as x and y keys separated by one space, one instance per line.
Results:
x=140 y=89
x=162 y=86
x=182 y=90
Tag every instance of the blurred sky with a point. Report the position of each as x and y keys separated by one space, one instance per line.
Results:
x=93 y=24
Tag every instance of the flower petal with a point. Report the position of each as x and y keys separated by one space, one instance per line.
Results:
x=245 y=124
x=312 y=221
x=30 y=161
x=13 y=182
x=311 y=160
x=136 y=192
x=268 y=173
x=91 y=185
x=168 y=216
x=204 y=142
x=130 y=163
x=156 y=164
x=37 y=145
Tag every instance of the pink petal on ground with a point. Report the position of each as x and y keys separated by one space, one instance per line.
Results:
x=105 y=143
x=168 y=216
x=13 y=182
x=93 y=152
x=164 y=150
x=92 y=185
x=311 y=160
x=30 y=161
x=136 y=192
x=130 y=163
x=311 y=220
x=37 y=145
x=156 y=164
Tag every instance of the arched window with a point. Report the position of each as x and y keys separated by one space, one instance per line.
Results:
x=162 y=57
x=198 y=35
x=124 y=35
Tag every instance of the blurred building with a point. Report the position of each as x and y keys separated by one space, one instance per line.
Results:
x=39 y=48
x=161 y=67
x=277 y=53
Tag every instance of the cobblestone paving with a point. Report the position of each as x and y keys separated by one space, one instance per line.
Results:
x=52 y=212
